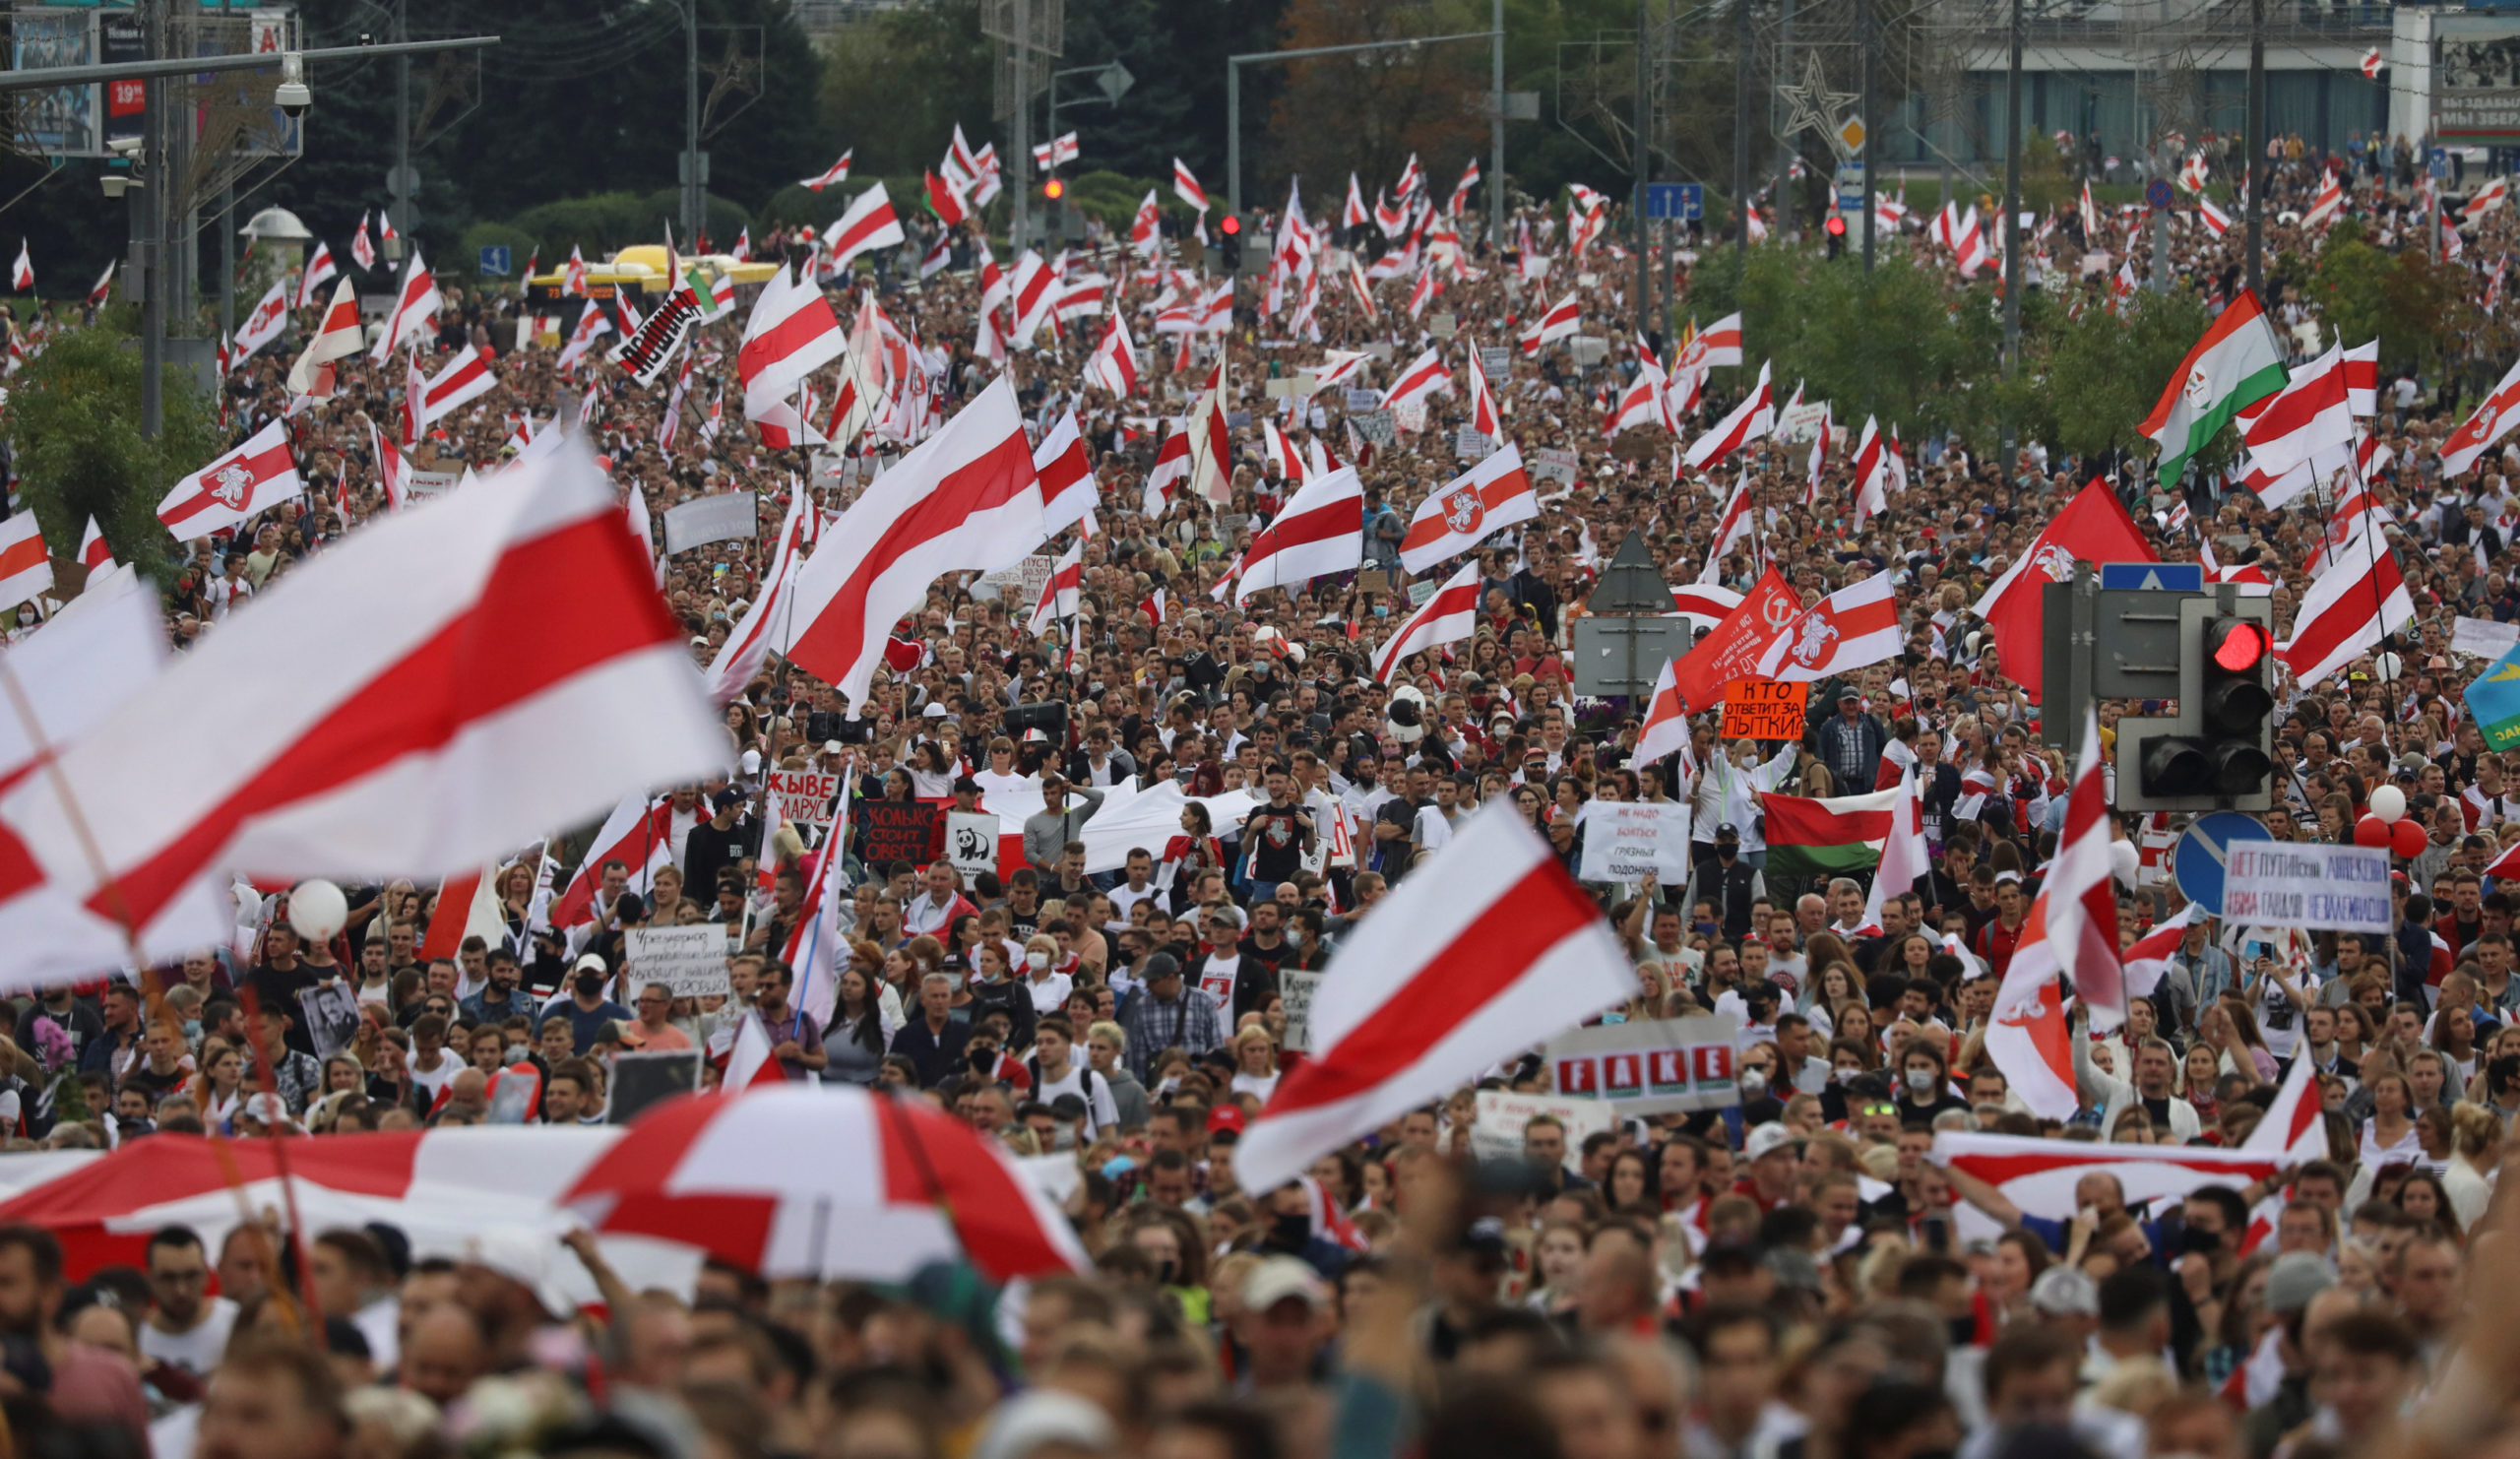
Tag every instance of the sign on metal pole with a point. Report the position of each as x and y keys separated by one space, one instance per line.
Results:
x=2205 y=849
x=1685 y=201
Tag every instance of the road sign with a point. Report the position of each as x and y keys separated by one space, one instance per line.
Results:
x=1848 y=136
x=1685 y=201
x=402 y=182
x=2440 y=162
x=2157 y=195
x=1849 y=180
x=2162 y=577
x=2201 y=854
x=494 y=259
x=1114 y=80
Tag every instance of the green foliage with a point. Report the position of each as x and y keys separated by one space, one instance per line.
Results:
x=895 y=86
x=2101 y=375
x=1114 y=199
x=2410 y=303
x=519 y=244
x=74 y=417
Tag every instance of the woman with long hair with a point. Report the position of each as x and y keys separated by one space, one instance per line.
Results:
x=2388 y=1135
x=1256 y=1061
x=2426 y=1198
x=1558 y=1259
x=2243 y=1048
x=855 y=1036
x=2454 y=1037
x=516 y=911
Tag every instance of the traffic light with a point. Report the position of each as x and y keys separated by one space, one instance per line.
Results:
x=1231 y=244
x=1054 y=189
x=1836 y=228
x=2218 y=751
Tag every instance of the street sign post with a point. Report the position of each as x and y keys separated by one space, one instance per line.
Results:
x=1684 y=201
x=1849 y=178
x=494 y=261
x=2158 y=195
x=2205 y=849
x=2152 y=577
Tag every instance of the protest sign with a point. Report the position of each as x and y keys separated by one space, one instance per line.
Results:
x=1410 y=415
x=805 y=795
x=970 y=841
x=1295 y=993
x=1443 y=326
x=1378 y=426
x=1496 y=1131
x=426 y=484
x=2285 y=884
x=1020 y=585
x=1631 y=840
x=1362 y=400
x=641 y=1079
x=1495 y=361
x=723 y=516
x=1763 y=709
x=1551 y=464
x=1649 y=1068
x=1470 y=445
x=2484 y=638
x=330 y=1011
x=691 y=960
x=897 y=831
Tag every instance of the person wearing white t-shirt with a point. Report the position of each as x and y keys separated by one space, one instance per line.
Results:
x=187 y=1327
x=1055 y=1071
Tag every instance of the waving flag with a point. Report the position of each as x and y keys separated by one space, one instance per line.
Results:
x=1069 y=494
x=25 y=564
x=1321 y=531
x=790 y=334
x=2148 y=959
x=466 y=377
x=363 y=251
x=254 y=477
x=2356 y=600
x=1449 y=617
x=1423 y=376
x=2071 y=933
x=264 y=325
x=1061 y=591
x=2327 y=207
x=1903 y=855
x=1050 y=154
x=2043 y=1176
x=1355 y=216
x=1850 y=629
x=1186 y=187
x=2093 y=528
x=2372 y=63
x=319 y=267
x=1827 y=835
x=1490 y=496
x=2493 y=418
x=393 y=473
x=1754 y=418
x=869 y=224
x=747 y=647
x=836 y=172
x=22 y=274
x=1665 y=731
x=1484 y=418
x=1495 y=950
x=95 y=554
x=338 y=337
x=416 y=306
x=1114 y=365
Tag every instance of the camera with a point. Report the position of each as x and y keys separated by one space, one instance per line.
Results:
x=292 y=95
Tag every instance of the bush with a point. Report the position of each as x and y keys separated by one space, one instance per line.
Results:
x=519 y=243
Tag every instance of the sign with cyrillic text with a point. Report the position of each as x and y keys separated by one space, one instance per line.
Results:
x=2286 y=884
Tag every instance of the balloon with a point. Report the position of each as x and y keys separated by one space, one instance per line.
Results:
x=2407 y=839
x=2388 y=803
x=2122 y=861
x=2371 y=831
x=317 y=910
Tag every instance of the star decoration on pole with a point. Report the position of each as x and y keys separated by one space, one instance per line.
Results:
x=1812 y=105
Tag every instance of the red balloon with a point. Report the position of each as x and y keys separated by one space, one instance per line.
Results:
x=2407 y=838
x=2371 y=831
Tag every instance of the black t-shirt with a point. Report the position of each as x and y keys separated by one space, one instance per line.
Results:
x=1276 y=838
x=277 y=988
x=1275 y=959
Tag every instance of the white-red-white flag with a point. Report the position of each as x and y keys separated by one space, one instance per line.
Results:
x=464 y=378
x=2149 y=957
x=2071 y=932
x=790 y=334
x=2372 y=63
x=254 y=477
x=1421 y=377
x=338 y=337
x=1563 y=318
x=1495 y=495
x=393 y=472
x=1320 y=532
x=1355 y=215
x=1871 y=475
x=95 y=554
x=1449 y=617
x=1739 y=521
x=1055 y=152
x=1061 y=591
x=25 y=564
x=1115 y=364
x=416 y=306
x=1484 y=418
x=1491 y=951
x=104 y=288
x=319 y=267
x=749 y=1063
x=965 y=499
x=869 y=224
x=1851 y=628
x=1665 y=731
x=1186 y=186
x=532 y=673
x=264 y=322
x=836 y=172
x=1211 y=452
x=2488 y=423
x=22 y=274
x=363 y=251
x=1069 y=493
x=1903 y=854
x=1750 y=420
x=741 y=656
x=2357 y=598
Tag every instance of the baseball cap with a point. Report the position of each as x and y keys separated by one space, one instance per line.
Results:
x=1283 y=1279
x=589 y=962
x=725 y=797
x=1767 y=1139
x=833 y=747
x=1225 y=1119
x=1160 y=965
x=2066 y=1291
x=1484 y=1242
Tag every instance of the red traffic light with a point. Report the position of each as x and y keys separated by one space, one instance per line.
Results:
x=1229 y=225
x=2242 y=645
x=1837 y=225
x=1053 y=189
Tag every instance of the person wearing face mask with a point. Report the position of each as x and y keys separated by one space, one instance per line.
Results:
x=589 y=1012
x=995 y=991
x=1047 y=985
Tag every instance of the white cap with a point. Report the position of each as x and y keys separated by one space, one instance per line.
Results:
x=1766 y=1139
x=1041 y=1418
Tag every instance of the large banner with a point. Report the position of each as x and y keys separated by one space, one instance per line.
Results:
x=2476 y=77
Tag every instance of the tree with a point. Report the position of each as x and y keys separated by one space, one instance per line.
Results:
x=74 y=416
x=1367 y=111
x=2100 y=375
x=2403 y=299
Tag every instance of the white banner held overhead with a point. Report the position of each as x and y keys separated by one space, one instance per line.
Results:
x=2484 y=638
x=1631 y=840
x=1496 y=1131
x=2284 y=884
x=720 y=517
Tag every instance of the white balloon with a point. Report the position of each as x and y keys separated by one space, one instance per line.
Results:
x=2123 y=861
x=2388 y=803
x=317 y=910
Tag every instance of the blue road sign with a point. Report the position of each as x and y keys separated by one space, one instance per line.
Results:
x=2156 y=193
x=2201 y=854
x=2164 y=577
x=2438 y=164
x=1850 y=185
x=1685 y=201
x=494 y=259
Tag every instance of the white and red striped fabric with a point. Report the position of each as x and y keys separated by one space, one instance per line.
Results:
x=748 y=644
x=592 y=325
x=968 y=498
x=1146 y=229
x=1855 y=626
x=2216 y=220
x=1736 y=525
x=466 y=377
x=338 y=337
x=2149 y=958
x=2372 y=64
x=1061 y=592
x=2358 y=598
x=1058 y=149
x=1484 y=418
x=1665 y=731
x=1186 y=187
x=25 y=564
x=1338 y=367
x=1493 y=949
x=393 y=472
x=1563 y=318
x=319 y=267
x=2488 y=423
x=1903 y=854
x=894 y=1185
x=1114 y=365
x=749 y=1065
x=468 y=906
x=1641 y=402
x=415 y=306
x=813 y=950
x=2307 y=425
x=2071 y=932
x=836 y=172
x=104 y=288
x=2328 y=205
x=1355 y=215
x=1704 y=604
x=363 y=251
x=1871 y=475
x=1490 y=496
x=870 y=224
x=1449 y=617
x=270 y=317
x=1172 y=467
x=1321 y=531
x=2493 y=194
x=256 y=476
x=432 y=691
x=790 y=334
x=95 y=554
x=1423 y=376
x=1753 y=419
x=1211 y=453
x=1068 y=492
x=2039 y=1176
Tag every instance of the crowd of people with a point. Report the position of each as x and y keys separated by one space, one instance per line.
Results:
x=1795 y=1274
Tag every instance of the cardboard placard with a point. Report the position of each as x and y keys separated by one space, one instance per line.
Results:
x=1381 y=427
x=898 y=831
x=1410 y=415
x=972 y=841
x=1443 y=326
x=805 y=795
x=1551 y=463
x=724 y=516
x=1631 y=840
x=1470 y=445
x=1496 y=361
x=1295 y=991
x=330 y=1011
x=1763 y=709
x=2281 y=884
x=426 y=484
x=1496 y=1131
x=1362 y=400
x=691 y=960
x=1650 y=1067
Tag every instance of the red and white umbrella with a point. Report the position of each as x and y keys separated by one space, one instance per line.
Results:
x=799 y=1181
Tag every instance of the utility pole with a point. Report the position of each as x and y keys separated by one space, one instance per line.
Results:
x=1785 y=153
x=2255 y=142
x=1643 y=155
x=1865 y=44
x=2012 y=219
x=694 y=175
x=1020 y=196
x=406 y=187
x=152 y=218
x=1741 y=131
x=1496 y=132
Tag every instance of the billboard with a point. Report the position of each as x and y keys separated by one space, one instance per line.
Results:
x=63 y=122
x=2476 y=77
